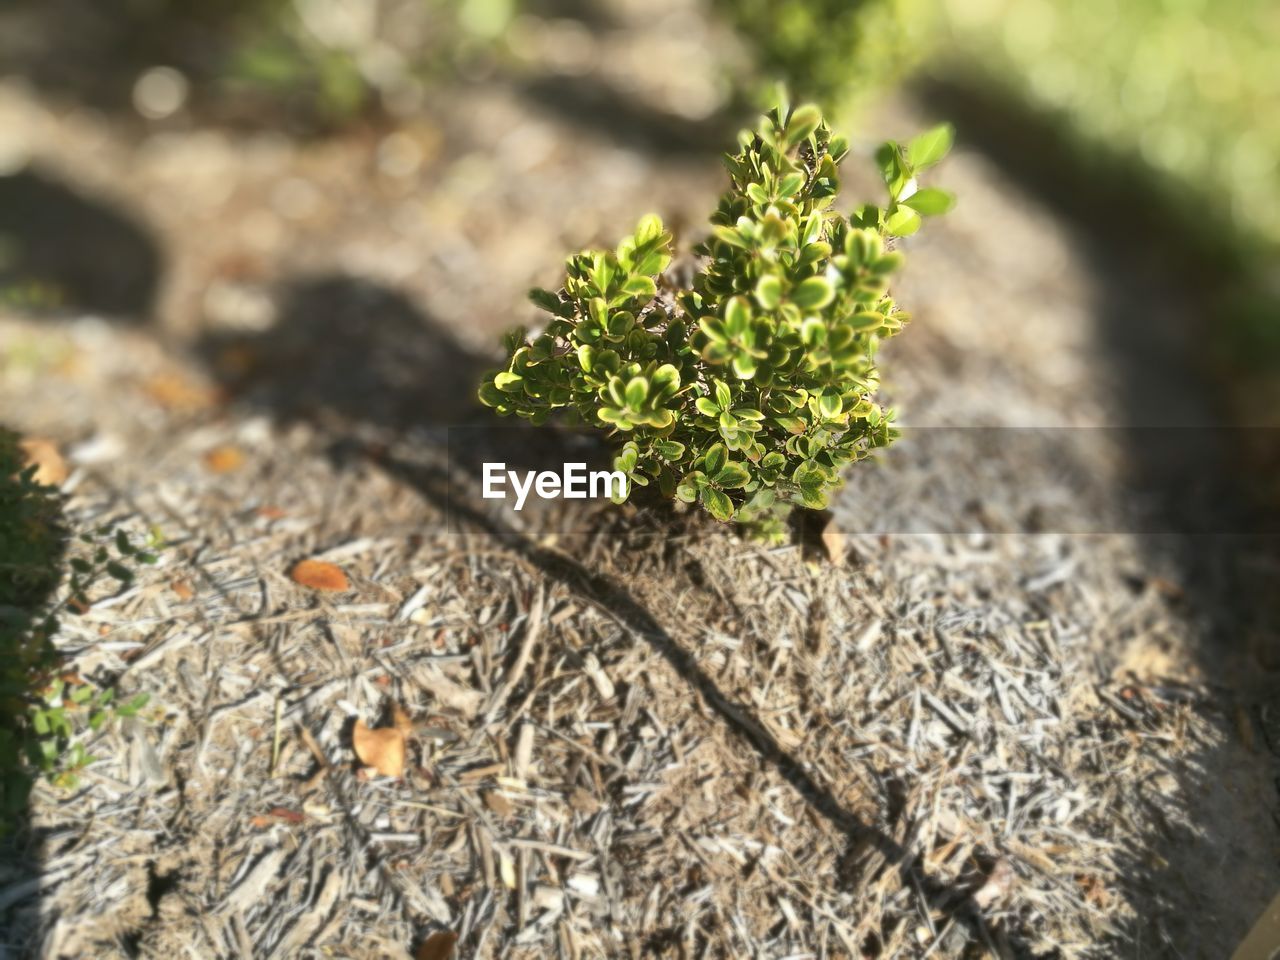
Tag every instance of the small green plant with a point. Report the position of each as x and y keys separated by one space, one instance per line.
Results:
x=45 y=715
x=751 y=391
x=833 y=51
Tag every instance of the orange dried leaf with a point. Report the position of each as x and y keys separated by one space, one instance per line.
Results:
x=382 y=749
x=175 y=392
x=319 y=575
x=51 y=469
x=438 y=946
x=182 y=589
x=401 y=720
x=224 y=459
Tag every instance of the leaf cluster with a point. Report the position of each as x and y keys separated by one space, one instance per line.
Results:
x=46 y=718
x=748 y=392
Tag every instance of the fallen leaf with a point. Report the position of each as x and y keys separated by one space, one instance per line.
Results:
x=382 y=749
x=401 y=720
x=224 y=459
x=182 y=589
x=834 y=542
x=51 y=469
x=498 y=804
x=178 y=393
x=319 y=575
x=438 y=946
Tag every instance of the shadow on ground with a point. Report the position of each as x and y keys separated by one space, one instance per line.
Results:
x=1159 y=326
x=363 y=364
x=62 y=250
x=243 y=64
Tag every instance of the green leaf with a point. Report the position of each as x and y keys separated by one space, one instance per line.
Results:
x=491 y=396
x=737 y=314
x=509 y=382
x=546 y=300
x=640 y=286
x=123 y=545
x=648 y=229
x=129 y=708
x=120 y=572
x=790 y=185
x=731 y=236
x=804 y=120
x=893 y=168
x=732 y=476
x=724 y=399
x=687 y=489
x=665 y=382
x=637 y=392
x=626 y=459
x=769 y=291
x=706 y=406
x=599 y=311
x=714 y=329
x=903 y=222
x=744 y=366
x=715 y=458
x=717 y=503
x=931 y=146
x=931 y=201
x=813 y=294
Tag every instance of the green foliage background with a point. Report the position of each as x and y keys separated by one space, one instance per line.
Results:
x=1191 y=88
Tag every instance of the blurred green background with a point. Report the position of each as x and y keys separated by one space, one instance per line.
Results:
x=1163 y=116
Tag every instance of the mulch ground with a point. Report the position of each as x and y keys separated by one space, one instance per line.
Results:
x=629 y=733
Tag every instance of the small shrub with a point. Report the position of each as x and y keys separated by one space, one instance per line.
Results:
x=44 y=717
x=832 y=51
x=749 y=392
